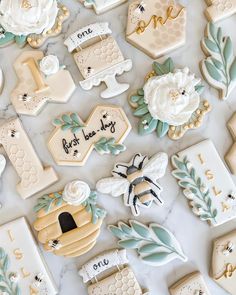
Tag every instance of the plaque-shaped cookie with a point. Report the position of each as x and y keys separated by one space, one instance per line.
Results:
x=122 y=281
x=223 y=270
x=206 y=183
x=99 y=58
x=156 y=26
x=73 y=140
x=192 y=284
x=23 y=270
x=101 y=6
x=68 y=222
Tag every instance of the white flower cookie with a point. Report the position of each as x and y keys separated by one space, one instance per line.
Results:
x=220 y=9
x=23 y=269
x=136 y=181
x=101 y=61
x=169 y=102
x=192 y=284
x=68 y=222
x=206 y=183
x=31 y=21
x=156 y=26
x=41 y=80
x=73 y=140
x=101 y=6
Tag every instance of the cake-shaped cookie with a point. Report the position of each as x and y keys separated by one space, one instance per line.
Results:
x=68 y=222
x=30 y=21
x=156 y=26
x=101 y=6
x=99 y=58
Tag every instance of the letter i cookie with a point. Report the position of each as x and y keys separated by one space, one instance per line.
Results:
x=34 y=177
x=220 y=9
x=206 y=183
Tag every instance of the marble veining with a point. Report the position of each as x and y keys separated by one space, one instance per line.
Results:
x=195 y=236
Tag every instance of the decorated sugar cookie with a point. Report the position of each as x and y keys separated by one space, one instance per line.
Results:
x=206 y=183
x=192 y=284
x=41 y=80
x=220 y=9
x=33 y=176
x=156 y=26
x=170 y=102
x=22 y=268
x=99 y=58
x=219 y=66
x=30 y=21
x=73 y=140
x=68 y=222
x=2 y=164
x=1 y=80
x=230 y=157
x=101 y=6
x=136 y=181
x=223 y=270
x=155 y=244
x=123 y=281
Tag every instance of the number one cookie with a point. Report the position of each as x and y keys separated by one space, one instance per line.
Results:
x=41 y=80
x=34 y=177
x=220 y=9
x=72 y=141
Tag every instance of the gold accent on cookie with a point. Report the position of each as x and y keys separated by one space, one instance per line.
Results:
x=216 y=192
x=18 y=254
x=24 y=272
x=10 y=235
x=225 y=207
x=26 y=4
x=209 y=175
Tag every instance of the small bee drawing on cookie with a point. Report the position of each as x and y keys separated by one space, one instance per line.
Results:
x=141 y=7
x=229 y=249
x=136 y=181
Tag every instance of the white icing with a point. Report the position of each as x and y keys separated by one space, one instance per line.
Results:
x=76 y=192
x=38 y=18
x=2 y=164
x=172 y=98
x=1 y=78
x=49 y=65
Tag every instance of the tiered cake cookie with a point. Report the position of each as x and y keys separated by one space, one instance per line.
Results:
x=156 y=26
x=22 y=269
x=30 y=21
x=99 y=58
x=68 y=222
x=101 y=6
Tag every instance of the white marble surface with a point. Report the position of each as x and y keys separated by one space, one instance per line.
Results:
x=194 y=235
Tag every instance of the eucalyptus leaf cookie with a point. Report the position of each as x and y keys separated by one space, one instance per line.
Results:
x=99 y=58
x=30 y=21
x=192 y=284
x=155 y=245
x=41 y=79
x=68 y=222
x=206 y=183
x=73 y=140
x=122 y=281
x=101 y=6
x=223 y=269
x=219 y=66
x=220 y=9
x=136 y=181
x=169 y=102
x=156 y=26
x=22 y=267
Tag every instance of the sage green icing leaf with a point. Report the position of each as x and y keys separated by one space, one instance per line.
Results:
x=140 y=229
x=21 y=40
x=147 y=124
x=232 y=71
x=162 y=129
x=211 y=45
x=46 y=202
x=141 y=110
x=141 y=92
x=159 y=258
x=90 y=205
x=129 y=244
x=135 y=98
x=66 y=119
x=213 y=30
x=108 y=146
x=148 y=248
x=57 y=122
x=117 y=232
x=69 y=122
x=163 y=235
x=165 y=68
x=199 y=88
x=213 y=72
x=228 y=50
x=180 y=175
x=219 y=35
x=74 y=117
x=218 y=64
x=7 y=38
x=125 y=228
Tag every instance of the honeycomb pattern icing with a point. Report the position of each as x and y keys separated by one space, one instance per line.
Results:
x=121 y=283
x=222 y=5
x=98 y=57
x=220 y=9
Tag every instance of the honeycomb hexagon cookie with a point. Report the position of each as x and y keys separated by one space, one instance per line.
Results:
x=156 y=26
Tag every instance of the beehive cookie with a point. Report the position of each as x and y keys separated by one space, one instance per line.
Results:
x=156 y=26
x=68 y=222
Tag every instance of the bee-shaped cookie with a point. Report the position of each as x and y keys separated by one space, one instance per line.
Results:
x=137 y=181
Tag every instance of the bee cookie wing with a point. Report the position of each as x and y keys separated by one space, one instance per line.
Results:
x=112 y=185
x=156 y=166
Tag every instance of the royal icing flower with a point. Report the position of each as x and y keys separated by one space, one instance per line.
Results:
x=172 y=98
x=49 y=65
x=76 y=192
x=24 y=17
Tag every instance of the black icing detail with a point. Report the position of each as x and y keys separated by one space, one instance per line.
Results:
x=67 y=222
